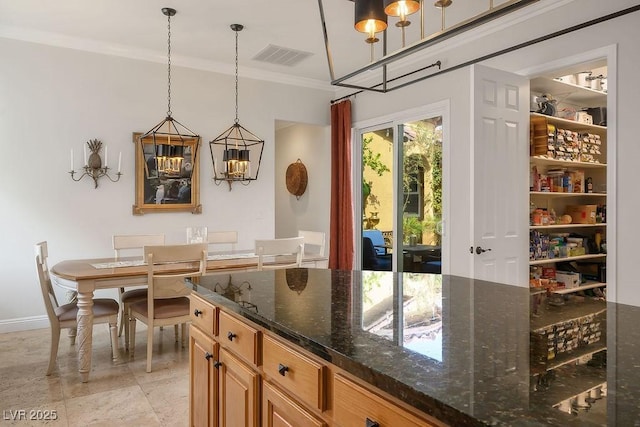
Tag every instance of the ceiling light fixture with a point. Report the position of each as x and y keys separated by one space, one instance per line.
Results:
x=369 y=18
x=401 y=9
x=236 y=146
x=169 y=150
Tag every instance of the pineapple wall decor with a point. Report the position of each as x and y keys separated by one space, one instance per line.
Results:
x=93 y=167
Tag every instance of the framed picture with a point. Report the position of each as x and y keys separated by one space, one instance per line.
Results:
x=164 y=184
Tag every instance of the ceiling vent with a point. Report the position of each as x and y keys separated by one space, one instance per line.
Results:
x=281 y=55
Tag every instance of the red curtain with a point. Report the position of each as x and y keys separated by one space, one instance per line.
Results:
x=341 y=227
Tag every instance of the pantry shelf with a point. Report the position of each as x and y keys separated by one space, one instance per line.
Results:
x=545 y=161
x=571 y=258
x=563 y=226
x=559 y=194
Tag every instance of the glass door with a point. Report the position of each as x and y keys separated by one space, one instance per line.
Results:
x=401 y=179
x=420 y=190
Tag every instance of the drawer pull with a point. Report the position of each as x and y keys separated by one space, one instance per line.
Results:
x=231 y=335
x=282 y=369
x=370 y=423
x=197 y=312
x=208 y=355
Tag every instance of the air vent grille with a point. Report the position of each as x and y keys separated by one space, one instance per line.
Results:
x=281 y=55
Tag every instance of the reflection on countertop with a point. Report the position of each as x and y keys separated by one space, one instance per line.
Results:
x=465 y=351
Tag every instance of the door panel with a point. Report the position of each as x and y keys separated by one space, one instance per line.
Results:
x=499 y=179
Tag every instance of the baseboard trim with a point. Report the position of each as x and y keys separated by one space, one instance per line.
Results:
x=24 y=324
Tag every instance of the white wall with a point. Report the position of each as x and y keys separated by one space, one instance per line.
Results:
x=622 y=32
x=53 y=100
x=312 y=145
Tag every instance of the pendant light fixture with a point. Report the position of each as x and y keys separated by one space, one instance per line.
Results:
x=401 y=9
x=168 y=136
x=237 y=147
x=370 y=19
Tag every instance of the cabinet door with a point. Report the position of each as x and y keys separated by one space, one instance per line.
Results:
x=353 y=405
x=203 y=376
x=238 y=390
x=278 y=410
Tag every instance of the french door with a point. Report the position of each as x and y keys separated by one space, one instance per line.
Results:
x=400 y=173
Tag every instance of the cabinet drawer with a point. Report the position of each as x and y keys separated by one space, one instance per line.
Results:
x=354 y=405
x=279 y=409
x=239 y=338
x=204 y=315
x=295 y=372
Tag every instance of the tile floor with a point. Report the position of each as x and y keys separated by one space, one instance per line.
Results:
x=117 y=394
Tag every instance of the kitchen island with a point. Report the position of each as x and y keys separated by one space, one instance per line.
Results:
x=442 y=350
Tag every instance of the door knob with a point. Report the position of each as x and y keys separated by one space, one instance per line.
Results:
x=479 y=250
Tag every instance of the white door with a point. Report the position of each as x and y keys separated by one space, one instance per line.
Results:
x=499 y=181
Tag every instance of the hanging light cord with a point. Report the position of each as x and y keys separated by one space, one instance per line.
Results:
x=169 y=65
x=236 y=77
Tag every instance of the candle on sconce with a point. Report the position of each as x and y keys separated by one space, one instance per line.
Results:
x=119 y=161
x=85 y=155
x=72 y=159
x=106 y=155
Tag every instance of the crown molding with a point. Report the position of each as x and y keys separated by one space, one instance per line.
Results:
x=112 y=49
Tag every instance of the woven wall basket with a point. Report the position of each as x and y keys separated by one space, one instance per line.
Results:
x=297 y=178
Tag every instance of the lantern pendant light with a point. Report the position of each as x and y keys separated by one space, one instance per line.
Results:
x=169 y=135
x=401 y=8
x=236 y=146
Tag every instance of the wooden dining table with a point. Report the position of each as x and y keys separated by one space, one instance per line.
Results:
x=87 y=275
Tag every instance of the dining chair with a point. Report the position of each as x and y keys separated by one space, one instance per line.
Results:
x=167 y=302
x=105 y=310
x=223 y=238
x=124 y=244
x=285 y=252
x=314 y=242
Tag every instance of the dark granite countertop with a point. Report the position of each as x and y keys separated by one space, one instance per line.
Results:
x=463 y=350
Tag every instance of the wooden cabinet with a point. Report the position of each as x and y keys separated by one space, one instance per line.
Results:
x=355 y=405
x=204 y=315
x=238 y=393
x=301 y=375
x=279 y=410
x=203 y=392
x=246 y=376
x=240 y=338
x=568 y=191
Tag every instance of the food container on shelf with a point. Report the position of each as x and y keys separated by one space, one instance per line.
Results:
x=582 y=79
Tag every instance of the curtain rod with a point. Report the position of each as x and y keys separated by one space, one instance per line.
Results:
x=531 y=42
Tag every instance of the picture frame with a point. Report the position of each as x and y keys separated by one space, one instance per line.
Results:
x=155 y=191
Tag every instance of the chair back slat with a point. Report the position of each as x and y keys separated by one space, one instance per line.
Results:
x=223 y=237
x=135 y=242
x=163 y=284
x=48 y=295
x=314 y=242
x=286 y=252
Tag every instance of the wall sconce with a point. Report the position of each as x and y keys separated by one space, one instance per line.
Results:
x=93 y=164
x=236 y=146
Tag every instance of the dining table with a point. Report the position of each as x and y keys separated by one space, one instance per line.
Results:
x=85 y=276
